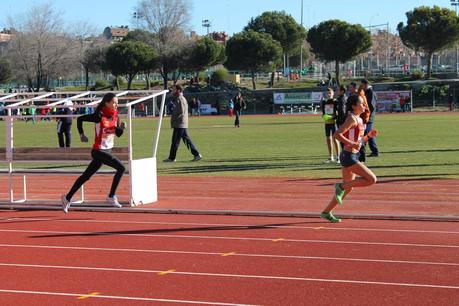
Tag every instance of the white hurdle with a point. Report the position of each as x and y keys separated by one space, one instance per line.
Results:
x=142 y=172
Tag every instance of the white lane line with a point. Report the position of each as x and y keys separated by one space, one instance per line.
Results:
x=80 y=248
x=125 y=233
x=115 y=297
x=280 y=226
x=285 y=278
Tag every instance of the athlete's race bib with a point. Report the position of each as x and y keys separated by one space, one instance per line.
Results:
x=328 y=109
x=108 y=138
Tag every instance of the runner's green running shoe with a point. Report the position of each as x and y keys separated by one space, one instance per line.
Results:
x=339 y=193
x=329 y=216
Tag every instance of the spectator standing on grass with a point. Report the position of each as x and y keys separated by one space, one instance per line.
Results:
x=450 y=102
x=43 y=114
x=341 y=105
x=329 y=114
x=48 y=112
x=230 y=108
x=30 y=113
x=191 y=106
x=64 y=126
x=239 y=105
x=371 y=100
x=142 y=109
x=330 y=80
x=197 y=106
x=179 y=122
x=33 y=113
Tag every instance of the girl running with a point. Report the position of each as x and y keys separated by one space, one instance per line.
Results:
x=105 y=117
x=351 y=135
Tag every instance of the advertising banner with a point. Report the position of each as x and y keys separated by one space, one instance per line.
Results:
x=393 y=101
x=207 y=109
x=386 y=101
x=297 y=97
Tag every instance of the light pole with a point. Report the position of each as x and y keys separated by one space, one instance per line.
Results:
x=371 y=51
x=455 y=3
x=137 y=16
x=206 y=24
x=301 y=48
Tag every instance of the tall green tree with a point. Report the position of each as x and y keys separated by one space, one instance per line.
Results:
x=338 y=41
x=129 y=58
x=295 y=55
x=5 y=71
x=283 y=28
x=93 y=60
x=429 y=30
x=205 y=53
x=252 y=52
x=140 y=35
x=147 y=38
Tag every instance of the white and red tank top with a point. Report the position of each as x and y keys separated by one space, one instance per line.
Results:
x=355 y=134
x=105 y=132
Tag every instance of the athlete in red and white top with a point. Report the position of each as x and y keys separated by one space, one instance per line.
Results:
x=350 y=133
x=355 y=134
x=107 y=125
x=107 y=122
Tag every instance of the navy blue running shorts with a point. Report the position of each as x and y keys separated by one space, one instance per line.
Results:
x=347 y=159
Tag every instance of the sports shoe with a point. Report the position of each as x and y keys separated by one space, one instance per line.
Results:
x=168 y=160
x=114 y=202
x=329 y=160
x=329 y=216
x=65 y=203
x=197 y=157
x=339 y=193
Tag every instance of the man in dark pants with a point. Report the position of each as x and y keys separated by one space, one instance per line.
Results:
x=371 y=99
x=64 y=126
x=179 y=122
x=239 y=105
x=341 y=108
x=341 y=105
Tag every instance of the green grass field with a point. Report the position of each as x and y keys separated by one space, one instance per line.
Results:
x=412 y=146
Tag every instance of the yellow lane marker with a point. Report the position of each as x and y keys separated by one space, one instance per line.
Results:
x=88 y=295
x=278 y=239
x=228 y=254
x=166 y=272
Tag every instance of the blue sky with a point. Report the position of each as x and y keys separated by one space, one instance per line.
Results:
x=230 y=15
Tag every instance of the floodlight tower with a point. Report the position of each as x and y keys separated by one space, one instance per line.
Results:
x=206 y=23
x=137 y=16
x=455 y=3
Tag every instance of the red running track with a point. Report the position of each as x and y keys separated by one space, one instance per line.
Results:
x=49 y=258
x=402 y=197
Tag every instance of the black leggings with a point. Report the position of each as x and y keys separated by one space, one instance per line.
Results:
x=99 y=158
